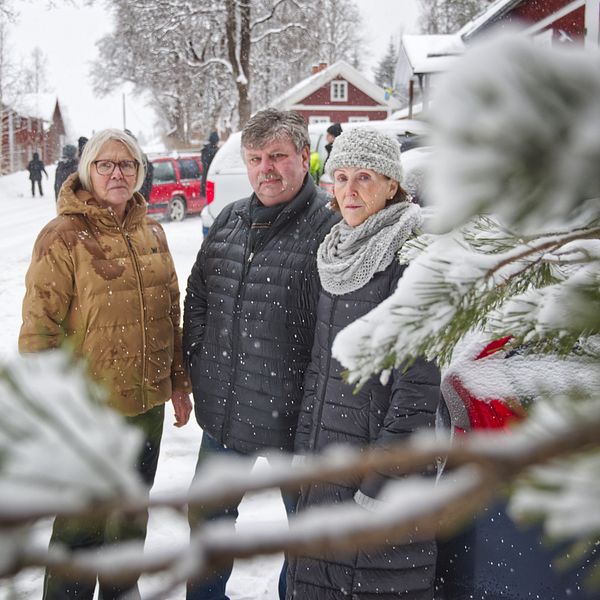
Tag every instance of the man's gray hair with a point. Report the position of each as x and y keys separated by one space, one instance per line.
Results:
x=272 y=124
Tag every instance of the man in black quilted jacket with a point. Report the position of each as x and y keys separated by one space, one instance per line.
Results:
x=250 y=307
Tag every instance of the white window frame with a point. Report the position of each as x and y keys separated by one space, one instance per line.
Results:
x=339 y=91
x=312 y=119
x=358 y=119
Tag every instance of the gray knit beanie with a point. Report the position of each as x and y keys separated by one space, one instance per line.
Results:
x=366 y=148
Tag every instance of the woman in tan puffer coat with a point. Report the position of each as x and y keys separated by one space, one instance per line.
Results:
x=102 y=283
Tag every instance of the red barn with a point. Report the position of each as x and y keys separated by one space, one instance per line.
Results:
x=339 y=93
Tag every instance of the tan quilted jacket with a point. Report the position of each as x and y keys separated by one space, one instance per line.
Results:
x=109 y=291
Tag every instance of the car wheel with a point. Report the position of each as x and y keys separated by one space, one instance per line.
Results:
x=177 y=209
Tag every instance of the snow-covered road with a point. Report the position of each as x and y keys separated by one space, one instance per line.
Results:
x=22 y=217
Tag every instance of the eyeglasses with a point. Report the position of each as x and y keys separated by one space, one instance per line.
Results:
x=107 y=167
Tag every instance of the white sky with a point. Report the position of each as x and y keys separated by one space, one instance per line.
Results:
x=382 y=20
x=68 y=34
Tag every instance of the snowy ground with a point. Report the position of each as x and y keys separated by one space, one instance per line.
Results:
x=21 y=220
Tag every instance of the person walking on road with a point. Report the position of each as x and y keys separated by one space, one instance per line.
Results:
x=36 y=168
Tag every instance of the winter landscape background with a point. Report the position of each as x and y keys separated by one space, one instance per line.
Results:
x=22 y=219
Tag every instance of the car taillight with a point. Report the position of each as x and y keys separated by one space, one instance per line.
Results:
x=210 y=191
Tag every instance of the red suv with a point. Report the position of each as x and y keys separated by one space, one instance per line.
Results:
x=176 y=186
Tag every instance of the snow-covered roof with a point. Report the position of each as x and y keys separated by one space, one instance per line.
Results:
x=38 y=106
x=341 y=68
x=492 y=12
x=500 y=8
x=431 y=53
x=404 y=112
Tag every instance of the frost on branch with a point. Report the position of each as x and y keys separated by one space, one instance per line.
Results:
x=61 y=449
x=521 y=138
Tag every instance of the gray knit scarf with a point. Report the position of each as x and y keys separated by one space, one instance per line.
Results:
x=348 y=257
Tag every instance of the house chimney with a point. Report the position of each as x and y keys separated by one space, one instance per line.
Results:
x=322 y=65
x=314 y=69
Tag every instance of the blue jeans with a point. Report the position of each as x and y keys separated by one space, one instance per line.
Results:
x=213 y=586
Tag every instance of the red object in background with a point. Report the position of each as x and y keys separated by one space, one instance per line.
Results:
x=176 y=184
x=486 y=414
x=210 y=191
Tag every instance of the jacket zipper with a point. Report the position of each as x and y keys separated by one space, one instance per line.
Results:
x=246 y=264
x=248 y=261
x=138 y=275
x=320 y=402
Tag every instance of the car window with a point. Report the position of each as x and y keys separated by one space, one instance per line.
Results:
x=164 y=172
x=188 y=168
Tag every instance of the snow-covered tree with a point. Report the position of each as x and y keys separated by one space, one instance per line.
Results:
x=34 y=76
x=384 y=73
x=208 y=65
x=448 y=16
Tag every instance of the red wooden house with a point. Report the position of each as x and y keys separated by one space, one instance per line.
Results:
x=338 y=93
x=555 y=21
x=34 y=123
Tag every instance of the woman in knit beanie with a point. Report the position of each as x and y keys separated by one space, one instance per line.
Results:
x=358 y=269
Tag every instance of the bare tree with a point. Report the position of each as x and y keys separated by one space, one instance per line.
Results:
x=207 y=66
x=448 y=16
x=34 y=75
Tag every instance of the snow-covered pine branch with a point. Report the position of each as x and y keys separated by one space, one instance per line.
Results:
x=516 y=142
x=484 y=464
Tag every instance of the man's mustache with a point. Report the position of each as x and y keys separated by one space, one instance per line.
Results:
x=268 y=177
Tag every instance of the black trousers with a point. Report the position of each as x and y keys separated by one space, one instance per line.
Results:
x=39 y=182
x=90 y=533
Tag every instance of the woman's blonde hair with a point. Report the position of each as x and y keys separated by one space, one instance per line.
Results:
x=92 y=149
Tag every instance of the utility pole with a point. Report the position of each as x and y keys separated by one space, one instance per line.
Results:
x=11 y=142
x=124 y=113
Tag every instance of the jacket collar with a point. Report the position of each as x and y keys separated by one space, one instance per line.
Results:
x=293 y=207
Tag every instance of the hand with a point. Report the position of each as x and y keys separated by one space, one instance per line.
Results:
x=182 y=406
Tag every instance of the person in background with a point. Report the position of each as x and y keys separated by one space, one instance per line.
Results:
x=333 y=131
x=358 y=270
x=65 y=167
x=36 y=168
x=206 y=157
x=146 y=188
x=249 y=311
x=315 y=167
x=324 y=179
x=81 y=142
x=102 y=246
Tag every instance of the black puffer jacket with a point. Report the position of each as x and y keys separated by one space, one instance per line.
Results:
x=378 y=415
x=249 y=322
